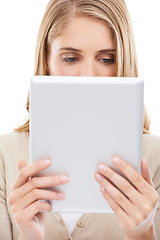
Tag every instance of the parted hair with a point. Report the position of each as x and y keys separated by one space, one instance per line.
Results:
x=59 y=13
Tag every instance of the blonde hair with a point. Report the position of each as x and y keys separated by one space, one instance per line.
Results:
x=114 y=12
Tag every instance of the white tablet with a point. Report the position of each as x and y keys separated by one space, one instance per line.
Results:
x=79 y=122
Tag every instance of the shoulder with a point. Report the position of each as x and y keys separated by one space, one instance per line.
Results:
x=151 y=151
x=12 y=137
x=14 y=146
x=151 y=145
x=151 y=138
x=13 y=140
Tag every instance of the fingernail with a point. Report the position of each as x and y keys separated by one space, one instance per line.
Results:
x=116 y=160
x=47 y=161
x=102 y=168
x=103 y=190
x=64 y=178
x=61 y=195
x=99 y=177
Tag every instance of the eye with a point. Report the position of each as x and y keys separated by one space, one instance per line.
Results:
x=107 y=60
x=71 y=59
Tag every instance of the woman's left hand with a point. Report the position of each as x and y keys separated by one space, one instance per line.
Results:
x=136 y=209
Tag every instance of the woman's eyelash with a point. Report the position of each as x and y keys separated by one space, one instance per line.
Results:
x=74 y=59
x=70 y=60
x=108 y=60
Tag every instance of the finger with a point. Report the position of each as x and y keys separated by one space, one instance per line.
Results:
x=28 y=214
x=146 y=172
x=120 y=213
x=36 y=194
x=127 y=220
x=35 y=183
x=116 y=195
x=134 y=177
x=21 y=164
x=30 y=170
x=120 y=182
x=41 y=218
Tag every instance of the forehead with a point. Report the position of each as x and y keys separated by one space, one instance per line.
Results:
x=85 y=33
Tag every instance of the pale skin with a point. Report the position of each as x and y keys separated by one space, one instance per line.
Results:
x=79 y=51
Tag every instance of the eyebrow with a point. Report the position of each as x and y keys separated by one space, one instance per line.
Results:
x=77 y=50
x=107 y=50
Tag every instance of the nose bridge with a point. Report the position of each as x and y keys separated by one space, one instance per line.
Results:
x=88 y=68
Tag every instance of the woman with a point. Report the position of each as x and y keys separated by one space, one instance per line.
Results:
x=84 y=38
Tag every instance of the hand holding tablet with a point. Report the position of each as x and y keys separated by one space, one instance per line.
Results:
x=80 y=122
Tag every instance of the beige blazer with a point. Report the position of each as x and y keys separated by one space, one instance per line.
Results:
x=15 y=146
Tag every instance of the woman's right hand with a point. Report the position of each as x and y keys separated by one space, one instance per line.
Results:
x=24 y=196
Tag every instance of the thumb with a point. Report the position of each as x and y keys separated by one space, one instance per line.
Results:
x=21 y=164
x=146 y=171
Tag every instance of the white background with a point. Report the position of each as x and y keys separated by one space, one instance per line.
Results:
x=19 y=23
